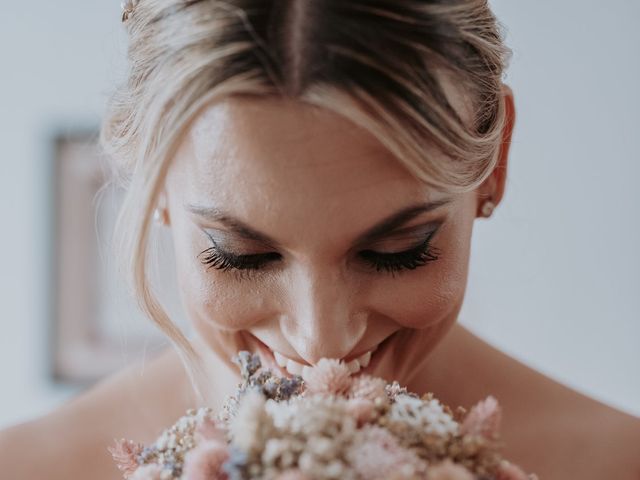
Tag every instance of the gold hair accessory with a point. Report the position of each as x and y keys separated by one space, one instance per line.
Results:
x=127 y=8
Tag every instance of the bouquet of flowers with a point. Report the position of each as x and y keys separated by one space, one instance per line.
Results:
x=326 y=424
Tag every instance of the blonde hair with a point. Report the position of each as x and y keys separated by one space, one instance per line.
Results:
x=381 y=64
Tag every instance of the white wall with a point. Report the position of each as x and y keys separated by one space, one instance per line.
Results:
x=58 y=61
x=554 y=273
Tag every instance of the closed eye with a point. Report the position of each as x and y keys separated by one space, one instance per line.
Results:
x=409 y=259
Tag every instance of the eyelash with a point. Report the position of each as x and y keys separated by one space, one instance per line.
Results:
x=244 y=265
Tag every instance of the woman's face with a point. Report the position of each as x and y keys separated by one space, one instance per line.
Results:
x=296 y=232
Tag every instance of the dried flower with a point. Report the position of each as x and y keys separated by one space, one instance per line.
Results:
x=251 y=424
x=247 y=362
x=377 y=454
x=394 y=389
x=483 y=419
x=292 y=474
x=328 y=376
x=205 y=461
x=423 y=416
x=366 y=386
x=125 y=453
x=147 y=472
x=327 y=426
x=321 y=416
x=447 y=470
x=362 y=409
x=209 y=429
x=281 y=452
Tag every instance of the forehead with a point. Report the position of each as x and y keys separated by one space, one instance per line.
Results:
x=267 y=140
x=262 y=157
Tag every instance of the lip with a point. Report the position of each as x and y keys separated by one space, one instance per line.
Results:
x=270 y=361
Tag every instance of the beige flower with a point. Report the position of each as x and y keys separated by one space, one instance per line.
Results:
x=147 y=472
x=422 y=416
x=209 y=429
x=366 y=386
x=447 y=470
x=292 y=474
x=362 y=409
x=328 y=376
x=252 y=423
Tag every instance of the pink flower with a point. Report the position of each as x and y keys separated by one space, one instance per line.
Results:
x=292 y=474
x=205 y=461
x=328 y=376
x=147 y=472
x=483 y=419
x=510 y=471
x=366 y=386
x=447 y=470
x=125 y=453
x=377 y=454
x=362 y=409
x=209 y=429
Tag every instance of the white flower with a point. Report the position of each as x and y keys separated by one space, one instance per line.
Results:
x=252 y=424
x=281 y=413
x=281 y=452
x=425 y=416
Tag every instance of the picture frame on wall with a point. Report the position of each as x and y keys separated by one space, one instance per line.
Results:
x=95 y=326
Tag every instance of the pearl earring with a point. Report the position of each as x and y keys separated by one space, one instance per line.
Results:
x=158 y=217
x=487 y=208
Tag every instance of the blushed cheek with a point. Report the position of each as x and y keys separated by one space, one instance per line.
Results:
x=204 y=304
x=428 y=295
x=215 y=300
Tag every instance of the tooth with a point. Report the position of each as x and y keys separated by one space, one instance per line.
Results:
x=305 y=371
x=294 y=368
x=353 y=366
x=364 y=359
x=280 y=360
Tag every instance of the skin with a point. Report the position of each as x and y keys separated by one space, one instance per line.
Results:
x=314 y=183
x=270 y=165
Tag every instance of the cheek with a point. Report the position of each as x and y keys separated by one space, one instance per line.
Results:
x=429 y=294
x=216 y=299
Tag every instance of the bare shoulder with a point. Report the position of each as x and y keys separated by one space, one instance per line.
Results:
x=550 y=428
x=134 y=403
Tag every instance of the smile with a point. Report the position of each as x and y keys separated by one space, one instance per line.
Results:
x=296 y=368
x=289 y=366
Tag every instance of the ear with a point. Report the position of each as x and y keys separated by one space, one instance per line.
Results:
x=493 y=187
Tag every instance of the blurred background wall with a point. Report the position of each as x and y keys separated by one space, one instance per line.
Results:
x=554 y=277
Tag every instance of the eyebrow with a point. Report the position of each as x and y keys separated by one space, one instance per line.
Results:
x=385 y=227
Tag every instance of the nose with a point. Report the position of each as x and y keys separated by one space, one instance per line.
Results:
x=322 y=319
